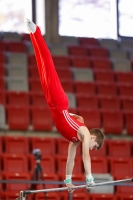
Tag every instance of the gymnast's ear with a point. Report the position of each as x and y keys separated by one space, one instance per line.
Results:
x=93 y=137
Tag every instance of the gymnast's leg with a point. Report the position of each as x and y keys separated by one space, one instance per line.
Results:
x=52 y=88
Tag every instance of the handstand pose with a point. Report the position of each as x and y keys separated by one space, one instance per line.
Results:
x=70 y=126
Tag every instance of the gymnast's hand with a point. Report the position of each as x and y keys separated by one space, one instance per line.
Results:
x=69 y=184
x=90 y=184
x=70 y=187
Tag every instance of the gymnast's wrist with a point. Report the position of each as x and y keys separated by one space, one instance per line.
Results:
x=68 y=179
x=89 y=178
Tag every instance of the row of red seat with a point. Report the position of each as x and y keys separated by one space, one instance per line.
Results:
x=72 y=50
x=62 y=62
x=99 y=88
x=79 y=61
x=65 y=196
x=51 y=146
x=15 y=187
x=81 y=100
x=55 y=164
x=13 y=46
x=21 y=117
x=92 y=61
x=67 y=74
x=99 y=75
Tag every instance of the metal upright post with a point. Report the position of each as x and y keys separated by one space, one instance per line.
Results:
x=22 y=195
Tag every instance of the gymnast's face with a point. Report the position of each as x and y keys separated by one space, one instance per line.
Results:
x=93 y=144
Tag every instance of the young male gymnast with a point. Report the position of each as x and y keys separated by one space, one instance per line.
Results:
x=70 y=126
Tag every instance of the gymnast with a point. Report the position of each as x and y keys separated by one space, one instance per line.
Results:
x=70 y=126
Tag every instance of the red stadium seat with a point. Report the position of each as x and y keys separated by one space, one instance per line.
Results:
x=49 y=196
x=124 y=77
x=18 y=98
x=35 y=85
x=76 y=196
x=3 y=98
x=101 y=64
x=64 y=73
x=18 y=117
x=15 y=144
x=102 y=152
x=85 y=88
x=104 y=76
x=131 y=143
x=62 y=147
x=16 y=176
x=87 y=101
x=48 y=177
x=2 y=70
x=46 y=145
x=19 y=47
x=1 y=165
x=47 y=163
x=3 y=46
x=77 y=51
x=0 y=185
x=61 y=165
x=38 y=99
x=99 y=165
x=125 y=90
x=41 y=118
x=26 y=37
x=32 y=60
x=119 y=148
x=11 y=195
x=61 y=61
x=98 y=52
x=73 y=110
x=88 y=41
x=106 y=88
x=1 y=145
x=92 y=118
x=109 y=122
x=109 y=103
x=79 y=194
x=120 y=166
x=33 y=72
x=124 y=190
x=103 y=197
x=80 y=62
x=128 y=122
x=68 y=85
x=2 y=58
x=14 y=163
x=127 y=103
x=125 y=196
x=2 y=83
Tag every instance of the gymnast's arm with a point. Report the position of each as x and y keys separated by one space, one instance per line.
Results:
x=71 y=157
x=70 y=164
x=84 y=137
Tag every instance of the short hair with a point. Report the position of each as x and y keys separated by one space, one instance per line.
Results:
x=99 y=136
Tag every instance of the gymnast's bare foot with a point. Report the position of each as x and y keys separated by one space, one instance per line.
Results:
x=30 y=25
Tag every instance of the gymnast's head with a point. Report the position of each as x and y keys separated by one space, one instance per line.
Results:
x=96 y=138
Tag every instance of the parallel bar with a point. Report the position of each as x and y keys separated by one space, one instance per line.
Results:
x=77 y=187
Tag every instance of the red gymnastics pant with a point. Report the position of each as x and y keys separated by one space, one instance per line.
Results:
x=55 y=96
x=52 y=88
